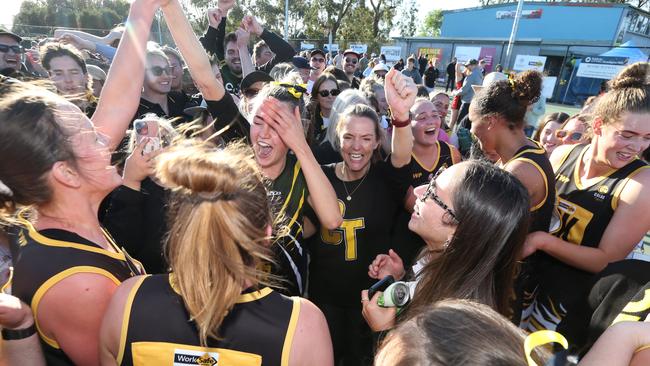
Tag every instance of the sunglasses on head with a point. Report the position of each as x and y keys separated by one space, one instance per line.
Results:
x=351 y=60
x=17 y=49
x=326 y=93
x=573 y=136
x=158 y=70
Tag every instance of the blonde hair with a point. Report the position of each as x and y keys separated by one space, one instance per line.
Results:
x=218 y=217
x=629 y=92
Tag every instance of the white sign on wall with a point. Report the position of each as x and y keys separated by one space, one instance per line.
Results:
x=359 y=47
x=392 y=53
x=306 y=46
x=529 y=62
x=464 y=54
x=334 y=47
x=548 y=86
x=601 y=67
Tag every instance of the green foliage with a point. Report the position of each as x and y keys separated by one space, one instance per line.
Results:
x=408 y=19
x=430 y=27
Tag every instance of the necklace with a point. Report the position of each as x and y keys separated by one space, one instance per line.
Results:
x=349 y=194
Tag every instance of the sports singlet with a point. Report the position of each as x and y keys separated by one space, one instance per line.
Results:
x=48 y=256
x=584 y=214
x=421 y=174
x=542 y=212
x=288 y=196
x=156 y=329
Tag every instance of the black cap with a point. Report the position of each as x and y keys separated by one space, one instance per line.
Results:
x=4 y=32
x=301 y=63
x=254 y=77
x=471 y=61
x=316 y=51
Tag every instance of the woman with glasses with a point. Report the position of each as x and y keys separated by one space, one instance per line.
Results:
x=215 y=305
x=323 y=94
x=473 y=217
x=604 y=195
x=545 y=134
x=56 y=165
x=576 y=130
x=370 y=193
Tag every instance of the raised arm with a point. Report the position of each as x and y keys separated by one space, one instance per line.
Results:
x=400 y=95
x=283 y=50
x=194 y=55
x=244 y=55
x=121 y=93
x=113 y=35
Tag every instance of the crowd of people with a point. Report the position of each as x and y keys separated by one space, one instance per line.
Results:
x=216 y=203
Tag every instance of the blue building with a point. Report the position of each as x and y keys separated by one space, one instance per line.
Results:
x=561 y=32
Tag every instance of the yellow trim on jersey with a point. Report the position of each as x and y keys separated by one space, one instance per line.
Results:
x=291 y=330
x=576 y=172
x=126 y=317
x=563 y=159
x=43 y=240
x=253 y=296
x=536 y=149
x=638 y=306
x=295 y=214
x=434 y=164
x=619 y=189
x=40 y=292
x=165 y=353
x=296 y=171
x=451 y=153
x=544 y=178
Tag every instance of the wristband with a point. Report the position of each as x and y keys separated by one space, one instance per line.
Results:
x=16 y=334
x=400 y=124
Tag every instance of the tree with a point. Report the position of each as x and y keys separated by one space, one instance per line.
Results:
x=430 y=27
x=407 y=22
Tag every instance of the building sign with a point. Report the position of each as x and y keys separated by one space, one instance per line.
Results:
x=306 y=46
x=359 y=48
x=488 y=54
x=464 y=54
x=432 y=54
x=528 y=62
x=548 y=86
x=525 y=14
x=392 y=53
x=334 y=47
x=601 y=67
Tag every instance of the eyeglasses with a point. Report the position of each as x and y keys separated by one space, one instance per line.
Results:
x=158 y=70
x=316 y=59
x=431 y=193
x=573 y=136
x=4 y=48
x=351 y=60
x=326 y=93
x=250 y=93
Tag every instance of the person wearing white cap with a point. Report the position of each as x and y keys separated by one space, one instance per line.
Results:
x=98 y=77
x=380 y=70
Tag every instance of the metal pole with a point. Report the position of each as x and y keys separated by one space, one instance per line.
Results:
x=568 y=85
x=513 y=34
x=159 y=31
x=286 y=20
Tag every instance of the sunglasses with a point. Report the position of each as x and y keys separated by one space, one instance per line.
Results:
x=431 y=193
x=316 y=59
x=158 y=70
x=17 y=49
x=351 y=61
x=327 y=93
x=573 y=136
x=250 y=93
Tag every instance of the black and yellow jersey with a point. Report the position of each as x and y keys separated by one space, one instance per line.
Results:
x=48 y=256
x=288 y=195
x=584 y=212
x=421 y=174
x=542 y=212
x=338 y=269
x=157 y=330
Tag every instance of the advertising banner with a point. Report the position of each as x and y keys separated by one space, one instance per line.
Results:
x=334 y=47
x=392 y=53
x=529 y=62
x=464 y=53
x=601 y=67
x=488 y=54
x=525 y=14
x=306 y=46
x=359 y=48
x=432 y=54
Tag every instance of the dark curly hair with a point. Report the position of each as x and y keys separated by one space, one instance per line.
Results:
x=510 y=98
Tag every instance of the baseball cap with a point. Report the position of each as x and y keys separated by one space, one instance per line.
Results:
x=96 y=72
x=381 y=66
x=316 y=51
x=351 y=51
x=489 y=79
x=301 y=63
x=254 y=77
x=471 y=61
x=4 y=32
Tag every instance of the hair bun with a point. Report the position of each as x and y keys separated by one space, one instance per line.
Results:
x=633 y=76
x=527 y=87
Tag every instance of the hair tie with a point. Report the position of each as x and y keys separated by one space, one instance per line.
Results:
x=297 y=90
x=210 y=197
x=541 y=338
x=6 y=190
x=512 y=84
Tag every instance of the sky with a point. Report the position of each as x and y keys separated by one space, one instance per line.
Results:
x=11 y=7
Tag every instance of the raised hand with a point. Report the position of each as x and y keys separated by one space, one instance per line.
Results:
x=386 y=264
x=226 y=5
x=214 y=17
x=401 y=92
x=252 y=25
x=243 y=37
x=285 y=122
x=77 y=42
x=138 y=166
